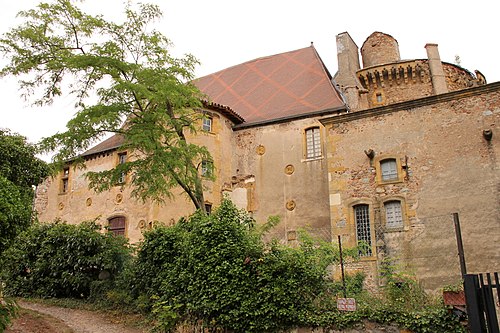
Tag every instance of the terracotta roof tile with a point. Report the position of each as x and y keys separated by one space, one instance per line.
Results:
x=274 y=87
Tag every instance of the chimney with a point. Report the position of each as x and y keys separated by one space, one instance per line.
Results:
x=436 y=68
x=348 y=65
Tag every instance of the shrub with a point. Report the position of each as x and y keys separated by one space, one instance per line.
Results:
x=61 y=260
x=216 y=272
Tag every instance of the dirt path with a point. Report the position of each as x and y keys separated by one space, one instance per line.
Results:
x=80 y=321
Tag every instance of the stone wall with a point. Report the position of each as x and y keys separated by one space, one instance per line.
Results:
x=270 y=164
x=445 y=165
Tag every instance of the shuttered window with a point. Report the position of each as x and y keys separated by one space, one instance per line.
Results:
x=393 y=214
x=363 y=229
x=313 y=142
x=389 y=169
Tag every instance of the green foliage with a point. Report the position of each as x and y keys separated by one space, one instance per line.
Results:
x=137 y=90
x=19 y=171
x=402 y=289
x=8 y=310
x=215 y=271
x=60 y=260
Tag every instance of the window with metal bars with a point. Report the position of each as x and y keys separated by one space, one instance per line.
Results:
x=313 y=142
x=363 y=229
x=393 y=214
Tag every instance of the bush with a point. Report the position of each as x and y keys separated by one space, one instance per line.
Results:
x=8 y=310
x=61 y=260
x=215 y=271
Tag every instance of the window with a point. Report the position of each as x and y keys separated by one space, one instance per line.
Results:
x=207 y=124
x=393 y=214
x=208 y=208
x=116 y=226
x=379 y=98
x=65 y=180
x=206 y=168
x=363 y=229
x=313 y=142
x=122 y=158
x=389 y=169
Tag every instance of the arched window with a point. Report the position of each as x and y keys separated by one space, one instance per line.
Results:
x=363 y=229
x=116 y=225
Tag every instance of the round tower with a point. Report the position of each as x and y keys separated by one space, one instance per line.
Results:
x=379 y=49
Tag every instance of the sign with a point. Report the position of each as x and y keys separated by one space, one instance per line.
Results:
x=346 y=304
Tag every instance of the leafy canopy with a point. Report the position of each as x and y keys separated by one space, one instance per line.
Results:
x=20 y=169
x=125 y=83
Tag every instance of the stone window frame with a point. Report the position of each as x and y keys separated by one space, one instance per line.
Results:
x=305 y=144
x=119 y=160
x=378 y=169
x=404 y=214
x=65 y=180
x=120 y=230
x=353 y=223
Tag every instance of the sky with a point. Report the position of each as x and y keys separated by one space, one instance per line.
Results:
x=224 y=33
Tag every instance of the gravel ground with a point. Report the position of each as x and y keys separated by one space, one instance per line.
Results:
x=80 y=321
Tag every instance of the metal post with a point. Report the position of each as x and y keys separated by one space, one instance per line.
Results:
x=460 y=245
x=475 y=316
x=342 y=267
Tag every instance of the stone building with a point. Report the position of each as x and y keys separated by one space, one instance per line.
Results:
x=420 y=142
x=381 y=154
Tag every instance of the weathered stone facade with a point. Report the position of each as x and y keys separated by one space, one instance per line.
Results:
x=444 y=164
x=416 y=141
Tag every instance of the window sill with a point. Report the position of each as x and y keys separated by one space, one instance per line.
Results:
x=390 y=182
x=319 y=158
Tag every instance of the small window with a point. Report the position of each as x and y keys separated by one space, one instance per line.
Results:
x=393 y=214
x=389 y=169
x=122 y=158
x=207 y=124
x=379 y=98
x=363 y=229
x=65 y=180
x=207 y=169
x=208 y=208
x=313 y=142
x=116 y=226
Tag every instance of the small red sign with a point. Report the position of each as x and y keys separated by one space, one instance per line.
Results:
x=346 y=304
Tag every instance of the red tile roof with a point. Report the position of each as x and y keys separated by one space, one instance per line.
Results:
x=274 y=87
x=280 y=86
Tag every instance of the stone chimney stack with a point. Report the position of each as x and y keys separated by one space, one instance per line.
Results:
x=348 y=65
x=436 y=68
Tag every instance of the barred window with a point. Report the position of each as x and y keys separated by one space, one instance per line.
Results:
x=313 y=142
x=363 y=229
x=116 y=226
x=393 y=214
x=389 y=169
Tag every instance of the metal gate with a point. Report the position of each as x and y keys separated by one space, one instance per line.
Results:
x=482 y=302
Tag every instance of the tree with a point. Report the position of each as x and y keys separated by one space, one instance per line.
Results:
x=20 y=169
x=125 y=82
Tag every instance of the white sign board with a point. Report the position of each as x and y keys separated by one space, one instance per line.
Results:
x=346 y=304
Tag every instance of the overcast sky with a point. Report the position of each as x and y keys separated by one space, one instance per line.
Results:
x=223 y=33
